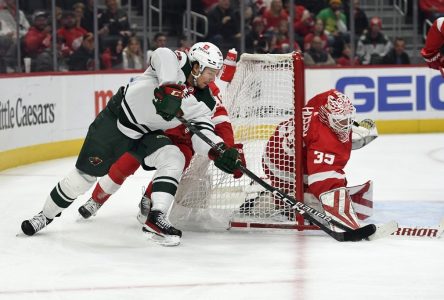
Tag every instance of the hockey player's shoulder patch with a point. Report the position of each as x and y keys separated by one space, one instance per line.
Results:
x=205 y=96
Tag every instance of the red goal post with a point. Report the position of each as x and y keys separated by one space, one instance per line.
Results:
x=267 y=89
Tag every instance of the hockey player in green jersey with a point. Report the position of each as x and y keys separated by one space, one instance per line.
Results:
x=134 y=120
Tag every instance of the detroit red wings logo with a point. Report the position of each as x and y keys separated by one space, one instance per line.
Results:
x=95 y=160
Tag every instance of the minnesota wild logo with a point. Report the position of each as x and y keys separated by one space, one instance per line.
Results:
x=95 y=160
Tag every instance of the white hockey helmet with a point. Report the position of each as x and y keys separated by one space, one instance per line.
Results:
x=338 y=114
x=207 y=55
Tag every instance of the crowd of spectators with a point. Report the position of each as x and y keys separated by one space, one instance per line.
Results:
x=119 y=48
x=321 y=32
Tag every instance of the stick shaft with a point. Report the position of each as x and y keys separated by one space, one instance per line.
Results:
x=305 y=210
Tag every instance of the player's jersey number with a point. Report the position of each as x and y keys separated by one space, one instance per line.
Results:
x=322 y=157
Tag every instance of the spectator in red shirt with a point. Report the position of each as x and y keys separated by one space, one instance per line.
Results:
x=112 y=56
x=344 y=59
x=282 y=41
x=38 y=37
x=274 y=14
x=73 y=35
x=303 y=22
x=37 y=42
x=318 y=31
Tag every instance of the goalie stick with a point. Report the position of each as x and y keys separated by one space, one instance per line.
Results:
x=420 y=232
x=367 y=232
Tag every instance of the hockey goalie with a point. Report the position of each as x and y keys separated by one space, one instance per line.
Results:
x=329 y=135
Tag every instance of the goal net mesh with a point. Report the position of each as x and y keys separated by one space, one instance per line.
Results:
x=259 y=98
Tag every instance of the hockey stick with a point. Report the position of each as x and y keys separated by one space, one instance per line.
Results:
x=420 y=232
x=308 y=212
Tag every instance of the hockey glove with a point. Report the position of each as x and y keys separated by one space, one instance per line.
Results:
x=363 y=133
x=433 y=59
x=228 y=161
x=168 y=99
x=368 y=123
x=237 y=173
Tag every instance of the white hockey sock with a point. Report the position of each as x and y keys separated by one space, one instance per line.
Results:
x=66 y=191
x=162 y=201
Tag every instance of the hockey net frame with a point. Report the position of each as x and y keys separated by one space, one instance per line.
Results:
x=194 y=207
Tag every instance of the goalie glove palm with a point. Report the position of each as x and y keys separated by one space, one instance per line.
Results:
x=167 y=100
x=368 y=123
x=229 y=160
x=363 y=133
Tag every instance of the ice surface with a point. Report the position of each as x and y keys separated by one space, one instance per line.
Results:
x=107 y=256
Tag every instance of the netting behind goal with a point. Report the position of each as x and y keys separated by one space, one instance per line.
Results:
x=266 y=90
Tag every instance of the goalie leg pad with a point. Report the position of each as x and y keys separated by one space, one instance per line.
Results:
x=362 y=199
x=337 y=205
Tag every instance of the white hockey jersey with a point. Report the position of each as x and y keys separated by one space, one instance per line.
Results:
x=139 y=115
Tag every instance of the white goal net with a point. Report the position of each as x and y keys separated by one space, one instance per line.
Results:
x=262 y=94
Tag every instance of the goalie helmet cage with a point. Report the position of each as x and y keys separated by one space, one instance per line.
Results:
x=267 y=89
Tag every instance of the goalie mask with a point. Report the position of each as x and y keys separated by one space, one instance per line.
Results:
x=338 y=114
x=207 y=55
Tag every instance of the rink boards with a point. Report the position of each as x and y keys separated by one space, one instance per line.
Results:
x=46 y=117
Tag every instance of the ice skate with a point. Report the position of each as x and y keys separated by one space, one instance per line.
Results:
x=35 y=224
x=144 y=209
x=160 y=230
x=89 y=209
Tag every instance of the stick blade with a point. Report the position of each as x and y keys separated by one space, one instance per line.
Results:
x=360 y=233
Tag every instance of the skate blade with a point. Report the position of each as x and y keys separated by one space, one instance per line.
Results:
x=22 y=235
x=141 y=218
x=167 y=241
x=81 y=219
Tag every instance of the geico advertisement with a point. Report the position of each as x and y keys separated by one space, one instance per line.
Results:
x=384 y=94
x=44 y=109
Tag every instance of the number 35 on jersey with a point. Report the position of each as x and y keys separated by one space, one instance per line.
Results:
x=322 y=157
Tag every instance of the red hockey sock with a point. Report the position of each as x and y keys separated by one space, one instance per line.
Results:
x=99 y=195
x=125 y=166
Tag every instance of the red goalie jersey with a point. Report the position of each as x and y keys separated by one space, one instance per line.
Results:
x=324 y=154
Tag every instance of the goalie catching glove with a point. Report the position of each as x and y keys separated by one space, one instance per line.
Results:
x=229 y=160
x=167 y=100
x=363 y=133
